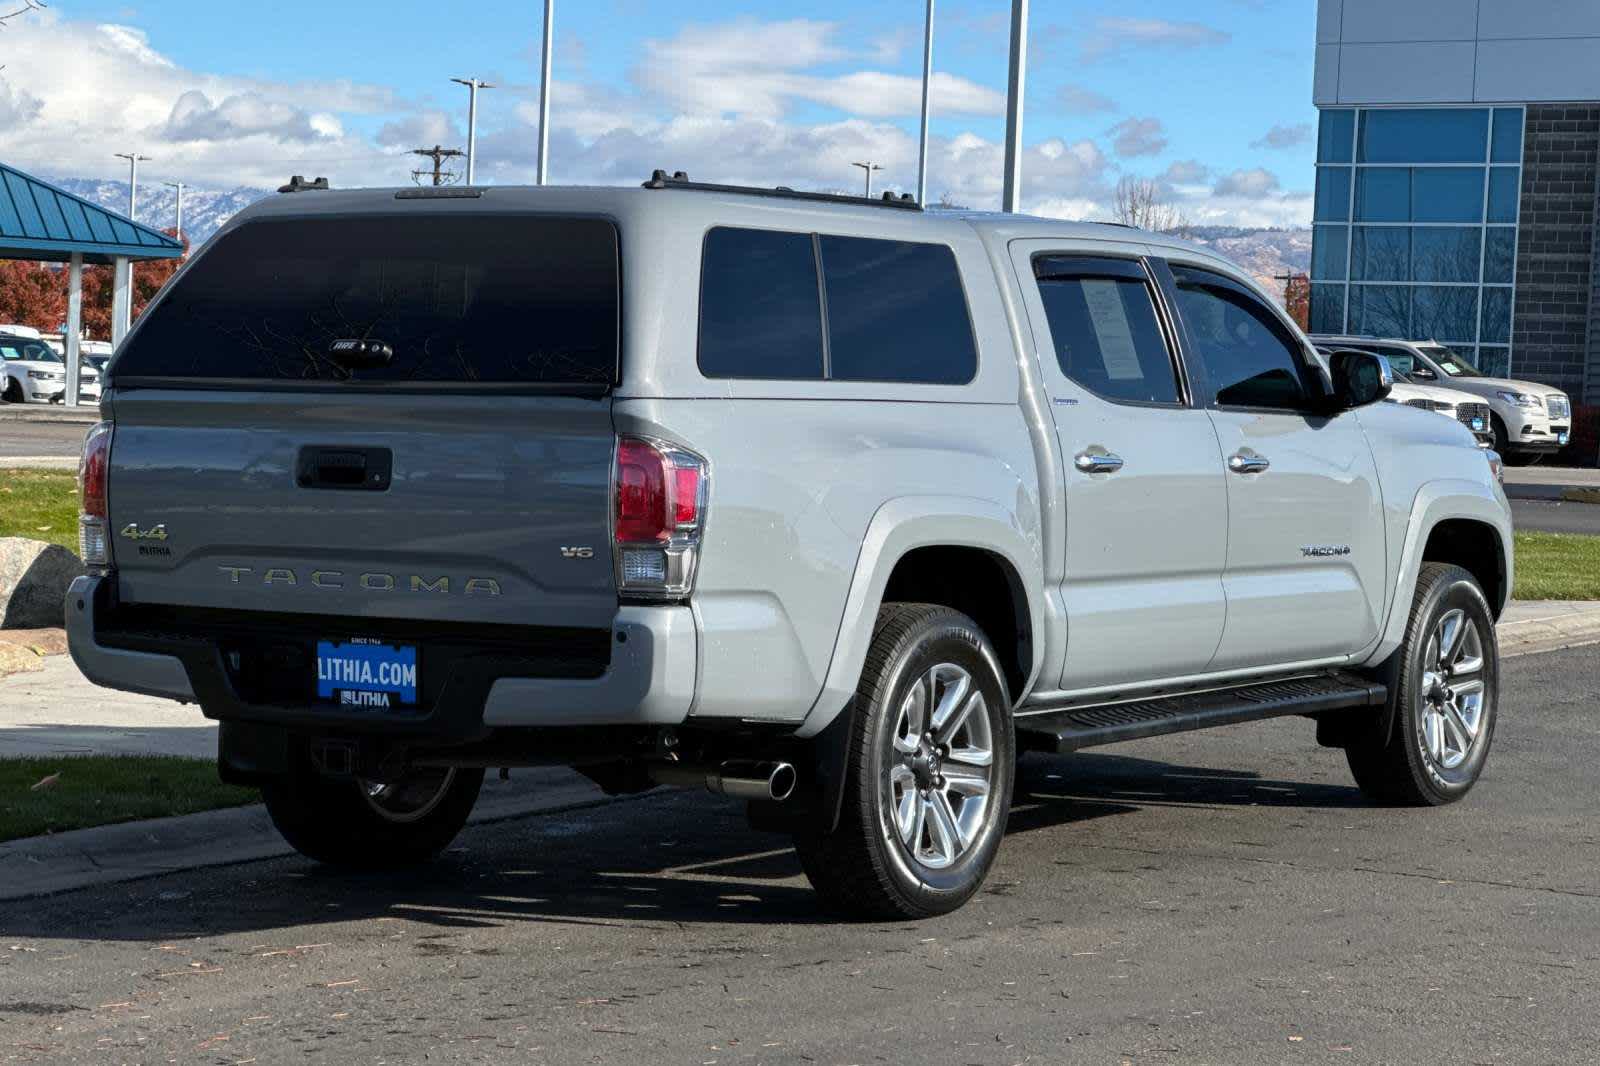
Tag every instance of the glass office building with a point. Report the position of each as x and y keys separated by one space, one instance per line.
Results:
x=1416 y=226
x=1458 y=181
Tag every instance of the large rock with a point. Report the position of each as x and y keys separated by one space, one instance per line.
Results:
x=33 y=583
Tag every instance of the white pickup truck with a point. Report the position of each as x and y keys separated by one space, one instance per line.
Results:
x=830 y=504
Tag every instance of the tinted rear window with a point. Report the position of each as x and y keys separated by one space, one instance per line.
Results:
x=760 y=310
x=487 y=299
x=895 y=310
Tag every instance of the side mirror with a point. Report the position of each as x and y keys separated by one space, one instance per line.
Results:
x=1420 y=371
x=1359 y=378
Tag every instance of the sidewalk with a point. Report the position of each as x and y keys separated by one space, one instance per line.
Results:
x=1573 y=484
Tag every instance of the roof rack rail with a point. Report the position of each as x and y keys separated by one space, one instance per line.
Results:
x=298 y=183
x=660 y=179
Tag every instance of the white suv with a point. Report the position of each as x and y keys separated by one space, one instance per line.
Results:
x=34 y=373
x=1529 y=421
x=1464 y=407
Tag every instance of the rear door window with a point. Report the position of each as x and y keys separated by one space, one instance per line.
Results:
x=896 y=312
x=1105 y=330
x=760 y=307
x=464 y=299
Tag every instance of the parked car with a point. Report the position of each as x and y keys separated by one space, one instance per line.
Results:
x=1530 y=421
x=820 y=502
x=34 y=373
x=1463 y=407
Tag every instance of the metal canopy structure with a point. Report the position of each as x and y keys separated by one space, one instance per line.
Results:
x=41 y=223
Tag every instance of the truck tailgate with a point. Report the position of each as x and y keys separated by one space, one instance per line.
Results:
x=493 y=509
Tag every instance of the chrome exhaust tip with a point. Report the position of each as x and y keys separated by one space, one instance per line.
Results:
x=770 y=781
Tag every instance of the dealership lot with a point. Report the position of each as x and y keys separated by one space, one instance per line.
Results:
x=1219 y=897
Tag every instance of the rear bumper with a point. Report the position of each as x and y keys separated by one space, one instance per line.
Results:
x=649 y=680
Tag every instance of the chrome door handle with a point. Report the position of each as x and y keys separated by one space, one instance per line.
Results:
x=1100 y=462
x=1248 y=463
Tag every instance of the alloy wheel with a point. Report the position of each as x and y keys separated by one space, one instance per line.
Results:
x=1453 y=692
x=940 y=771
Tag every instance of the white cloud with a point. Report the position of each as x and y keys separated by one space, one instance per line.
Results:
x=762 y=69
x=1138 y=136
x=1115 y=33
x=421 y=129
x=1284 y=136
x=195 y=118
x=1253 y=183
x=1082 y=100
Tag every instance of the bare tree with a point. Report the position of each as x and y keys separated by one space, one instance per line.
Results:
x=27 y=6
x=1142 y=203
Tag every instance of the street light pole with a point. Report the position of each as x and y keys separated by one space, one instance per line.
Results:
x=1012 y=197
x=178 y=185
x=543 y=168
x=927 y=78
x=473 y=85
x=869 y=168
x=134 y=159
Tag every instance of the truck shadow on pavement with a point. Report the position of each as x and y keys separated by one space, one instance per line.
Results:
x=653 y=862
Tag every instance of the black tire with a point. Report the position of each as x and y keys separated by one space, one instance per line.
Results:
x=1402 y=767
x=865 y=867
x=335 y=820
x=13 y=393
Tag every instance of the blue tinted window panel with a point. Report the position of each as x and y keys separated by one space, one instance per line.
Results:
x=1504 y=187
x=1383 y=194
x=1333 y=194
x=1424 y=135
x=1447 y=194
x=1499 y=255
x=1381 y=310
x=1496 y=316
x=1494 y=362
x=1444 y=314
x=1381 y=253
x=1336 y=136
x=1445 y=254
x=1507 y=144
x=1330 y=253
x=1327 y=308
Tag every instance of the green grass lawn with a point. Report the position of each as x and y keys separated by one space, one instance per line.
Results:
x=1558 y=566
x=100 y=790
x=40 y=505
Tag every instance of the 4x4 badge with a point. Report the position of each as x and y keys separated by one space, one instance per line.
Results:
x=133 y=532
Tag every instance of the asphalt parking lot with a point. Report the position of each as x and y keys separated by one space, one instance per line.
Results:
x=1219 y=897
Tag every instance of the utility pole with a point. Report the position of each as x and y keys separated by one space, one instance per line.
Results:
x=1012 y=198
x=473 y=85
x=542 y=168
x=178 y=185
x=438 y=155
x=134 y=159
x=869 y=168
x=927 y=79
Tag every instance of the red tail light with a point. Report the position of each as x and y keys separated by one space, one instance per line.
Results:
x=660 y=509
x=94 y=476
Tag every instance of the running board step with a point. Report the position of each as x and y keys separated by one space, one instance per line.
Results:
x=1108 y=723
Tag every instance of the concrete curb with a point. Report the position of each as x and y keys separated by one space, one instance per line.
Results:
x=27 y=412
x=40 y=462
x=1565 y=493
x=1537 y=626
x=131 y=851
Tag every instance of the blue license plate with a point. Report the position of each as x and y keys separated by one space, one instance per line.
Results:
x=366 y=673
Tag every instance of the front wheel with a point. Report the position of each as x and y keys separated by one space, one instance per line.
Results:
x=929 y=775
x=364 y=825
x=1445 y=697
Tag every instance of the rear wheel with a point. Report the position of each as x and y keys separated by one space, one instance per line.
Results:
x=929 y=774
x=361 y=824
x=1444 y=700
x=13 y=393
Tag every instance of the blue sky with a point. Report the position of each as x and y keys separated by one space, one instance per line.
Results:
x=1211 y=97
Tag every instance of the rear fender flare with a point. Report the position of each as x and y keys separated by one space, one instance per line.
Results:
x=900 y=526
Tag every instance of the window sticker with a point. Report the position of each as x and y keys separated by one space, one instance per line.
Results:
x=1111 y=327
